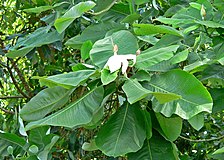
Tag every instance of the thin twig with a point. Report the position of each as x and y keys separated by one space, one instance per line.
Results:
x=7 y=111
x=11 y=97
x=202 y=140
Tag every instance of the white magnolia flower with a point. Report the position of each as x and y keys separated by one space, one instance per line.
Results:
x=116 y=62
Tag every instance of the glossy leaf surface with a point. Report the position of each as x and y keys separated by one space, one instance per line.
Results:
x=63 y=22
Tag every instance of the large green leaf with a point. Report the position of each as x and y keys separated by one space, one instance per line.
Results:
x=123 y=133
x=67 y=80
x=155 y=148
x=39 y=37
x=13 y=138
x=194 y=96
x=39 y=137
x=171 y=126
x=149 y=38
x=213 y=71
x=93 y=33
x=44 y=154
x=85 y=49
x=210 y=24
x=179 y=57
x=218 y=98
x=174 y=21
x=89 y=146
x=138 y=2
x=103 y=49
x=38 y=9
x=19 y=53
x=75 y=12
x=153 y=56
x=141 y=75
x=219 y=151
x=148 y=123
x=99 y=113
x=45 y=102
x=197 y=122
x=103 y=6
x=135 y=92
x=77 y=113
x=131 y=18
x=166 y=41
x=147 y=29
x=107 y=77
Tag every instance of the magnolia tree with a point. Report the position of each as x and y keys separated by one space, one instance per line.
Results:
x=129 y=79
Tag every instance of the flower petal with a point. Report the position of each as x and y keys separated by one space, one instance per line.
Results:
x=124 y=66
x=114 y=63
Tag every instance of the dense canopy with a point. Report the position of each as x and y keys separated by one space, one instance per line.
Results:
x=104 y=79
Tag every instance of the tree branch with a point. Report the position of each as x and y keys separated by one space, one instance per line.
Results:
x=15 y=83
x=202 y=140
x=14 y=80
x=11 y=97
x=14 y=62
x=21 y=77
x=7 y=111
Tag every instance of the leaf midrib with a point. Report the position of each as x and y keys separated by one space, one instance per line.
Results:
x=174 y=93
x=56 y=114
x=49 y=104
x=122 y=125
x=149 y=149
x=153 y=52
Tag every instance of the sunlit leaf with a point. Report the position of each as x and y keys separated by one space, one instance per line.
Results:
x=75 y=12
x=147 y=29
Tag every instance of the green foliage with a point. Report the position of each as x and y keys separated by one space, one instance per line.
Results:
x=77 y=113
x=64 y=21
x=60 y=98
x=112 y=138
